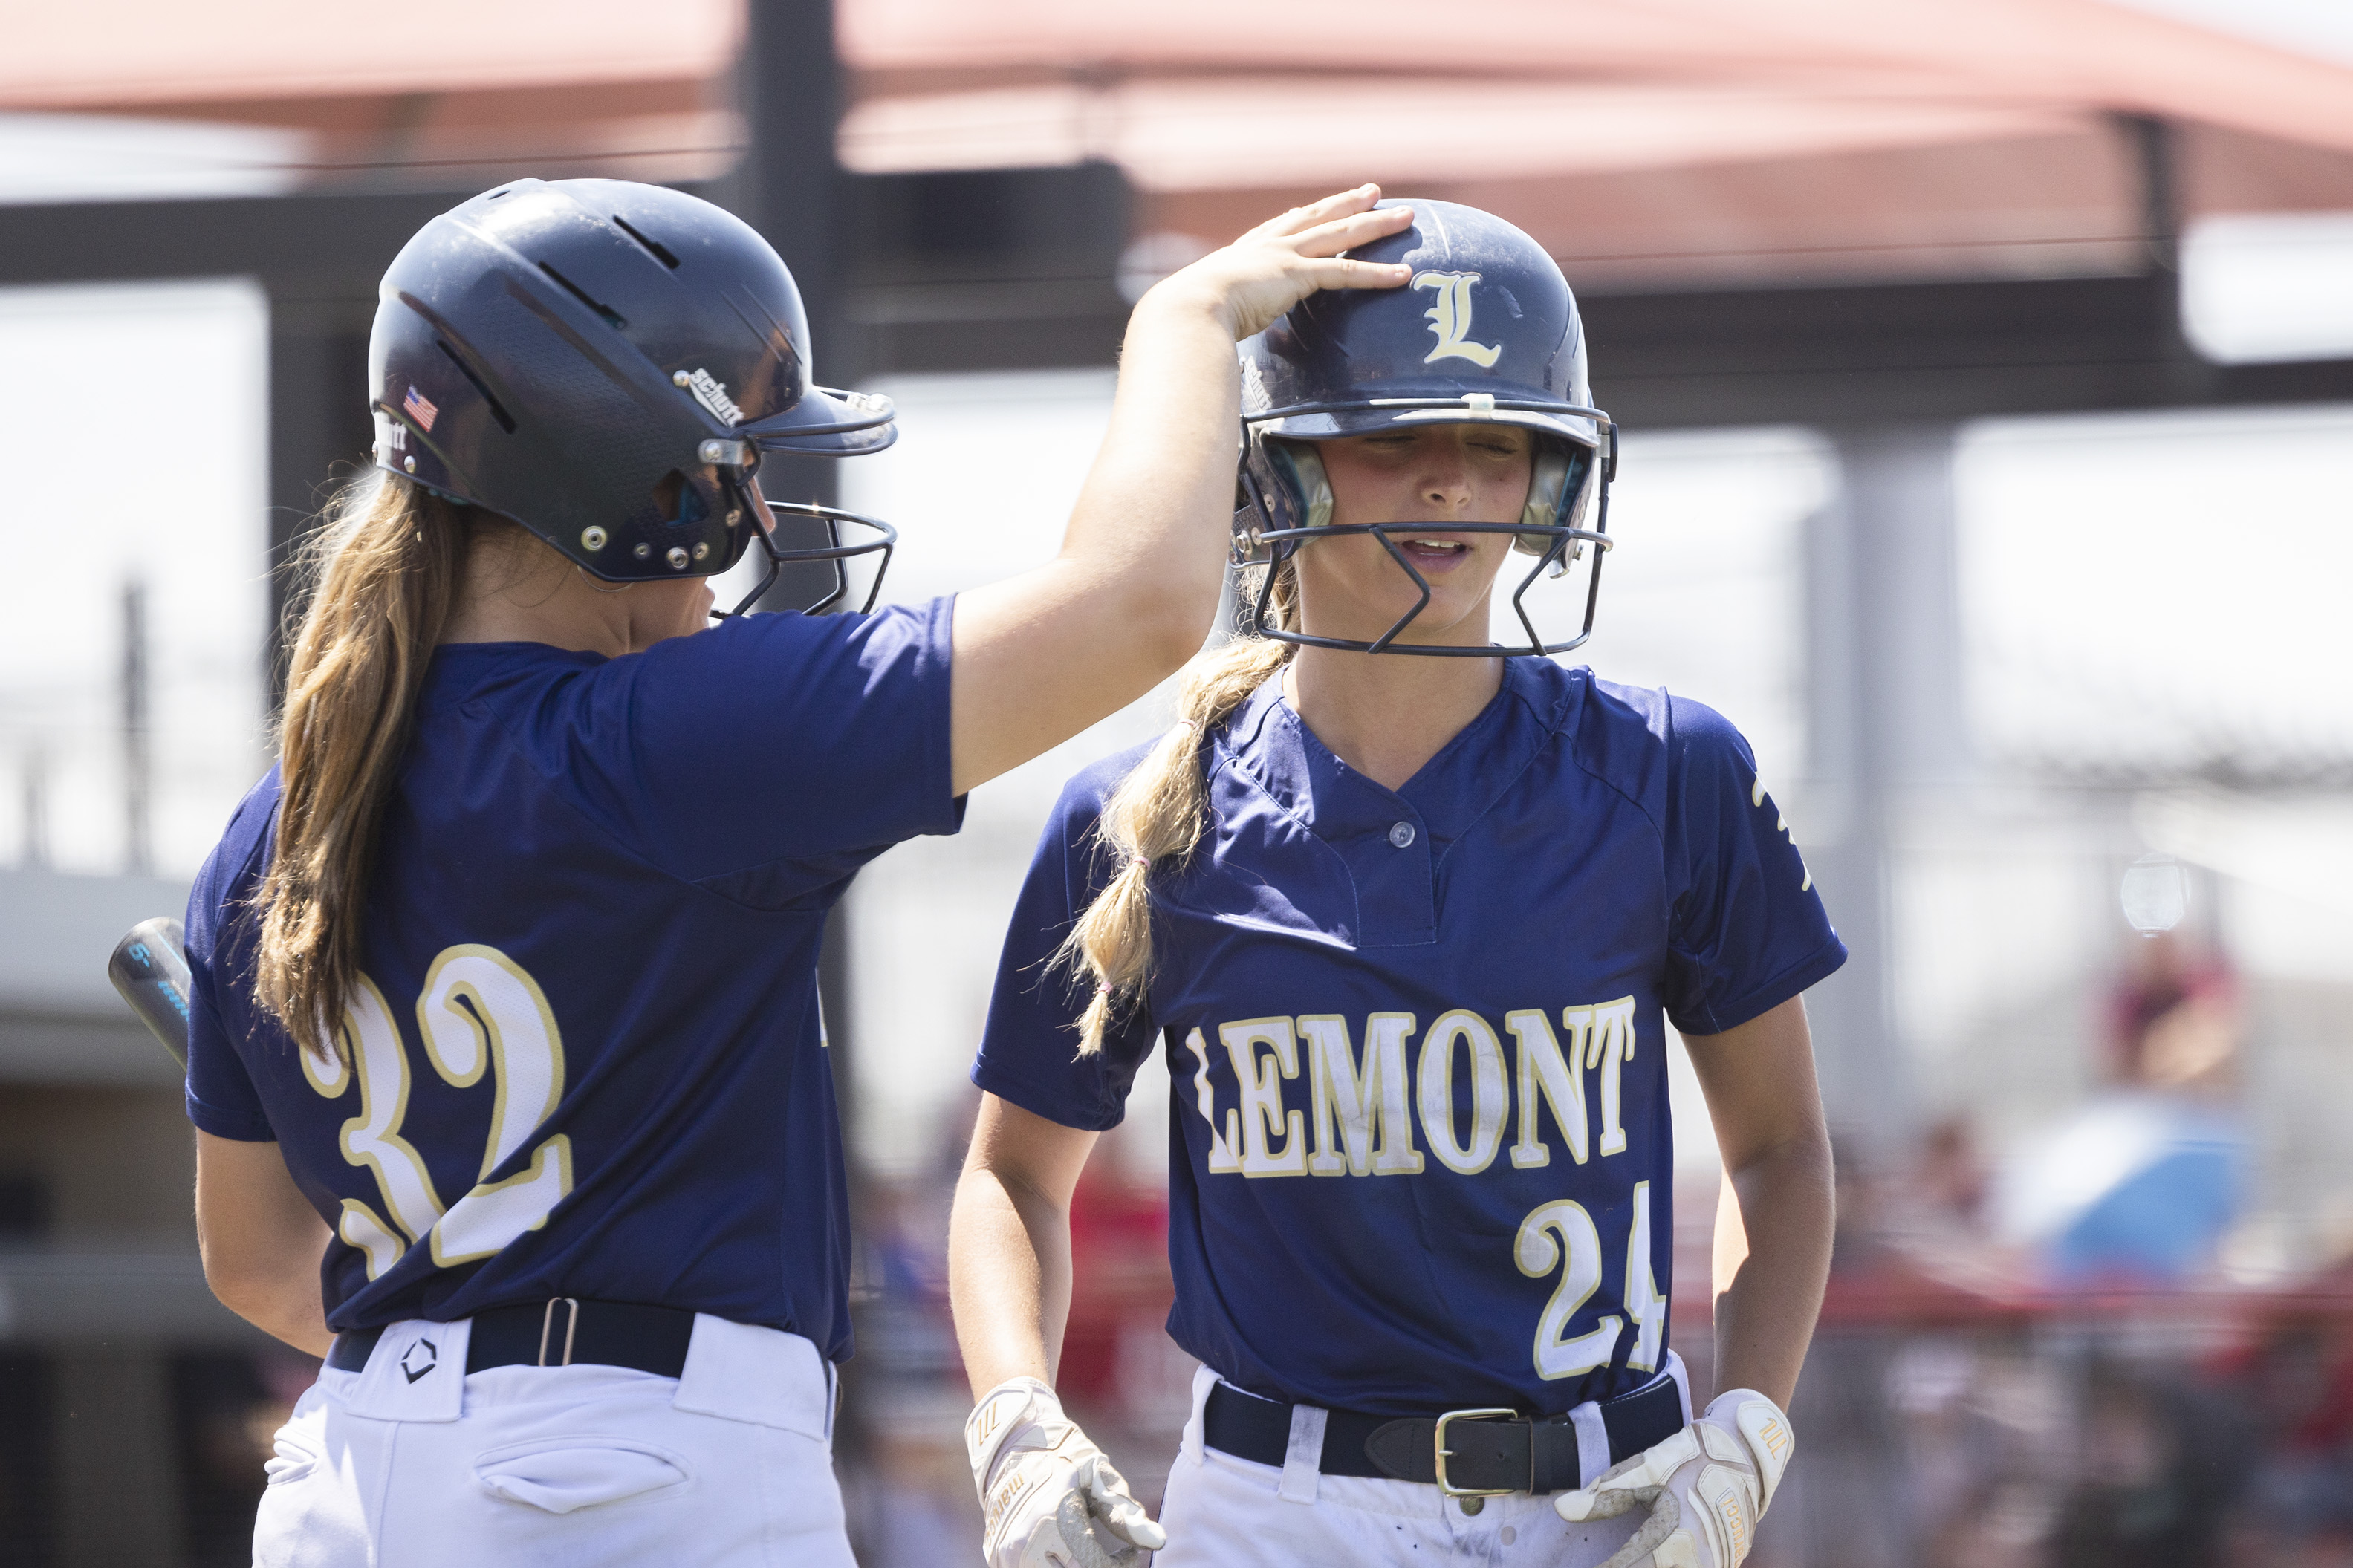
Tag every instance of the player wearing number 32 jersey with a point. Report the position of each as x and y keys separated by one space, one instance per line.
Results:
x=1407 y=932
x=512 y=1096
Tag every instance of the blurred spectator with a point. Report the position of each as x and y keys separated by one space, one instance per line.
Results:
x=2154 y=1481
x=1949 y=1182
x=1122 y=1378
x=1847 y=1502
x=2173 y=1018
x=2295 y=1381
x=1119 y=1261
x=899 y=1434
x=2138 y=1187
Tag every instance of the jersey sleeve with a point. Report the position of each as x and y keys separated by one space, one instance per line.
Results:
x=1030 y=1048
x=1747 y=930
x=221 y=1098
x=774 y=738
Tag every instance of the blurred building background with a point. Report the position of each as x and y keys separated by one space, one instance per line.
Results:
x=1987 y=374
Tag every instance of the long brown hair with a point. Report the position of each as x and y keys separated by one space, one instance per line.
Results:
x=1157 y=812
x=383 y=574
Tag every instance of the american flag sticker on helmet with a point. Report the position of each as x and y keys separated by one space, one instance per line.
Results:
x=419 y=409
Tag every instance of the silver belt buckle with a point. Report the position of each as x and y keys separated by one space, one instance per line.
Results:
x=571 y=1326
x=1443 y=1453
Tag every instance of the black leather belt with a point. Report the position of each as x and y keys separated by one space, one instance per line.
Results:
x=1484 y=1450
x=557 y=1333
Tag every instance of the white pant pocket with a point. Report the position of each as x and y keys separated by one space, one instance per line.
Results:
x=291 y=1460
x=558 y=1475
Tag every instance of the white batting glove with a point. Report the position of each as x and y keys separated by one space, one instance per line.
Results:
x=1705 y=1487
x=1048 y=1498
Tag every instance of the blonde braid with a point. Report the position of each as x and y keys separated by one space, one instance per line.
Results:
x=1155 y=814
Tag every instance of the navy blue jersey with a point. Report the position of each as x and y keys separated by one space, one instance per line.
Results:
x=1421 y=1150
x=586 y=1058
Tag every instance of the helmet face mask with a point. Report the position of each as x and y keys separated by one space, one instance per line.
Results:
x=1508 y=348
x=603 y=362
x=833 y=553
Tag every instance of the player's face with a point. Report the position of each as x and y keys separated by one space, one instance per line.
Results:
x=1350 y=586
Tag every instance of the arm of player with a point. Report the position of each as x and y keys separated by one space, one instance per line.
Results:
x=1009 y=1243
x=1047 y=1493
x=261 y=1240
x=1041 y=655
x=1768 y=1114
x=1705 y=1488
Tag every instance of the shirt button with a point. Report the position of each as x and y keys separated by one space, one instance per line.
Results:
x=1401 y=833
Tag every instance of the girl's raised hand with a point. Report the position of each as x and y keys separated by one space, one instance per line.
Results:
x=1281 y=261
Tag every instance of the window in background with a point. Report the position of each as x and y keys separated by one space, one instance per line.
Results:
x=157 y=550
x=2152 y=597
x=2269 y=286
x=1705 y=592
x=93 y=157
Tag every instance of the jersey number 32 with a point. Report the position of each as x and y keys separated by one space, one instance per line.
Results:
x=480 y=1013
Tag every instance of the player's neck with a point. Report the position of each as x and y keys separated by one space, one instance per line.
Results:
x=523 y=591
x=1383 y=714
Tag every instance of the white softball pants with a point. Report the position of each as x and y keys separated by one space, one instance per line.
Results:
x=729 y=1465
x=1226 y=1512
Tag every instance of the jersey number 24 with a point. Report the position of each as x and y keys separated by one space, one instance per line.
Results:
x=1577 y=1255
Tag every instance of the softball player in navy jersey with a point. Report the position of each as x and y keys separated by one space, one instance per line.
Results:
x=1405 y=929
x=505 y=1056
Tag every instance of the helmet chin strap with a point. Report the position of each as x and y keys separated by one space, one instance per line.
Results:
x=600 y=584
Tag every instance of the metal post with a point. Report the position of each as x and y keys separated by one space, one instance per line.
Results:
x=138 y=844
x=789 y=186
x=1890 y=736
x=2153 y=147
x=33 y=851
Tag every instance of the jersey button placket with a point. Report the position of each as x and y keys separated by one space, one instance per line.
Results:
x=1402 y=835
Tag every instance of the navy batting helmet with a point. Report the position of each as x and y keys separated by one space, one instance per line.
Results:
x=1485 y=330
x=604 y=362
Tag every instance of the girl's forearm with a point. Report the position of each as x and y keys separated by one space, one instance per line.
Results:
x=1767 y=1301
x=1008 y=1280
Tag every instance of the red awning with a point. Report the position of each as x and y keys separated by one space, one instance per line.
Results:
x=1710 y=137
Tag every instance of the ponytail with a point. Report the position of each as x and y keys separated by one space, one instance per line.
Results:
x=386 y=573
x=1157 y=813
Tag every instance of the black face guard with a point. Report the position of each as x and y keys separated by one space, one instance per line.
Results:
x=835 y=552
x=1268 y=548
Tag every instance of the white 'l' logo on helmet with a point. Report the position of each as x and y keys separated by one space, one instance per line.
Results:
x=1450 y=319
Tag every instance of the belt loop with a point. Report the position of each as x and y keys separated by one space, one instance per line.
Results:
x=1593 y=1455
x=571 y=1327
x=1302 y=1461
x=1193 y=1445
x=1682 y=1374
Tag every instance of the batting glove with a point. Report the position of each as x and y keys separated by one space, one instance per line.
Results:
x=1048 y=1498
x=1705 y=1487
